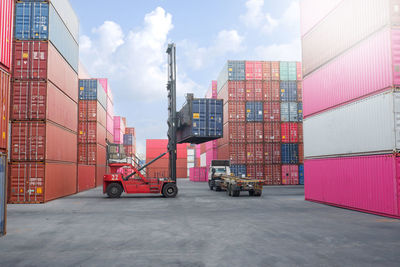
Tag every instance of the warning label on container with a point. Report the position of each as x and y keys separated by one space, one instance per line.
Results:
x=196 y=115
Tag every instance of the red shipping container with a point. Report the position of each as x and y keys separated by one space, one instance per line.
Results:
x=255 y=171
x=87 y=154
x=273 y=174
x=272 y=132
x=130 y=130
x=254 y=132
x=38 y=100
x=36 y=182
x=40 y=141
x=236 y=153
x=101 y=170
x=255 y=153
x=91 y=132
x=254 y=70
x=233 y=91
x=266 y=70
x=235 y=111
x=101 y=155
x=275 y=70
x=300 y=91
x=155 y=147
x=289 y=132
x=254 y=90
x=300 y=132
x=4 y=109
x=299 y=71
x=301 y=153
x=271 y=91
x=91 y=110
x=272 y=111
x=234 y=132
x=86 y=177
x=272 y=153
x=6 y=32
x=290 y=174
x=40 y=60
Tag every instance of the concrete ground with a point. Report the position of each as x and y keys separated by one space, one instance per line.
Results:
x=198 y=228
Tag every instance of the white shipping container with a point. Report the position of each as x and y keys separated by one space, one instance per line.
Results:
x=190 y=158
x=203 y=160
x=351 y=22
x=367 y=126
x=190 y=152
x=190 y=165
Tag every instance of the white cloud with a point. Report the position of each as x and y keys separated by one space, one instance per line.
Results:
x=280 y=52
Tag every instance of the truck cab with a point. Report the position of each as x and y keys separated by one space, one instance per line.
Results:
x=217 y=169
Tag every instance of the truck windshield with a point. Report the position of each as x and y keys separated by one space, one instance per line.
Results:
x=220 y=170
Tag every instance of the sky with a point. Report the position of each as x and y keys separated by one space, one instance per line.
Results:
x=125 y=41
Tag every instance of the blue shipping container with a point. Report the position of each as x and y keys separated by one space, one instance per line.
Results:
x=3 y=199
x=300 y=111
x=215 y=117
x=254 y=111
x=40 y=21
x=290 y=153
x=239 y=170
x=91 y=89
x=288 y=91
x=128 y=139
x=301 y=174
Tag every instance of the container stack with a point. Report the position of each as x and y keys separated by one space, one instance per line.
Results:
x=44 y=102
x=130 y=142
x=92 y=134
x=262 y=120
x=191 y=158
x=351 y=102
x=119 y=129
x=159 y=169
x=6 y=36
x=198 y=174
x=110 y=110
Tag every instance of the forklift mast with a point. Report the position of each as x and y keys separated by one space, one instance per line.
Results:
x=172 y=115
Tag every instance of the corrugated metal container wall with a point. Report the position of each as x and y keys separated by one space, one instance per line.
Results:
x=365 y=69
x=4 y=108
x=272 y=132
x=254 y=70
x=288 y=91
x=254 y=111
x=289 y=111
x=239 y=170
x=92 y=90
x=233 y=70
x=370 y=125
x=271 y=91
x=272 y=154
x=86 y=177
x=255 y=171
x=235 y=112
x=3 y=192
x=358 y=19
x=273 y=174
x=254 y=132
x=288 y=71
x=6 y=32
x=272 y=111
x=35 y=182
x=290 y=174
x=301 y=174
x=254 y=90
x=371 y=183
x=290 y=153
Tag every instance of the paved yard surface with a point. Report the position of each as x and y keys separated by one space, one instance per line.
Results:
x=198 y=228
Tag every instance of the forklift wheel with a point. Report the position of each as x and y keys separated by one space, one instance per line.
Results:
x=170 y=190
x=114 y=190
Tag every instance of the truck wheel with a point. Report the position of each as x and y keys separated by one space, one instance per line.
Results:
x=114 y=190
x=236 y=193
x=170 y=190
x=251 y=193
x=228 y=190
x=210 y=184
x=257 y=193
x=218 y=188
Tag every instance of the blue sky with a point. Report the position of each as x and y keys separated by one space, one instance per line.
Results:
x=125 y=41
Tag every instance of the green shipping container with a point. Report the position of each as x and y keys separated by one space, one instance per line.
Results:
x=288 y=71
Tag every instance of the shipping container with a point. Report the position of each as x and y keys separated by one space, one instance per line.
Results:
x=273 y=174
x=272 y=132
x=212 y=91
x=300 y=132
x=101 y=170
x=4 y=109
x=301 y=174
x=290 y=174
x=255 y=171
x=300 y=111
x=254 y=153
x=203 y=160
x=110 y=126
x=91 y=132
x=40 y=21
x=369 y=125
x=290 y=153
x=130 y=130
x=198 y=174
x=86 y=177
x=232 y=71
x=299 y=91
x=254 y=70
x=272 y=111
x=275 y=71
x=91 y=110
x=254 y=90
x=211 y=154
x=235 y=152
x=91 y=89
x=348 y=24
x=366 y=183
x=6 y=33
x=289 y=132
x=128 y=139
x=272 y=153
x=234 y=112
x=301 y=153
x=101 y=155
x=366 y=69
x=36 y=182
x=155 y=147
x=40 y=141
x=239 y=170
x=288 y=91
x=299 y=71
x=254 y=111
x=87 y=154
x=39 y=100
x=3 y=193
x=39 y=60
x=271 y=91
x=289 y=111
x=288 y=71
x=233 y=132
x=266 y=70
x=254 y=132
x=233 y=91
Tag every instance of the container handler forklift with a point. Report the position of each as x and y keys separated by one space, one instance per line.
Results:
x=137 y=183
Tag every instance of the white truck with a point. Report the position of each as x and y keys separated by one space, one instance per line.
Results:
x=218 y=169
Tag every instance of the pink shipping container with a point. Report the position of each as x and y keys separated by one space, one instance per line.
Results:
x=6 y=32
x=290 y=174
x=119 y=130
x=212 y=90
x=254 y=70
x=368 y=68
x=211 y=154
x=110 y=125
x=198 y=174
x=368 y=183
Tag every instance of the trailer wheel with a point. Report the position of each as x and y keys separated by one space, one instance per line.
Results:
x=257 y=193
x=251 y=193
x=218 y=188
x=114 y=190
x=170 y=190
x=228 y=190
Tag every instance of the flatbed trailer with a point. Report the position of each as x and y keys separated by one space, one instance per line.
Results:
x=234 y=185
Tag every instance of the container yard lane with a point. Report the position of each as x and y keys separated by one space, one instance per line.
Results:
x=198 y=228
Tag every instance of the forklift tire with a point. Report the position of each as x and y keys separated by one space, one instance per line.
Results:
x=114 y=190
x=251 y=193
x=170 y=190
x=257 y=193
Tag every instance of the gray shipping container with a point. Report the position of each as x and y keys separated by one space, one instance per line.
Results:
x=3 y=197
x=368 y=126
x=234 y=70
x=67 y=14
x=351 y=22
x=289 y=112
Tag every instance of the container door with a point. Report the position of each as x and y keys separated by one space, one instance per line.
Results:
x=2 y=195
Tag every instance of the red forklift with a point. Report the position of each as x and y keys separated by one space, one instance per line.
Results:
x=135 y=182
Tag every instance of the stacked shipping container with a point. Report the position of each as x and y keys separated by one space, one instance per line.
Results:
x=130 y=142
x=351 y=101
x=6 y=35
x=92 y=134
x=110 y=110
x=262 y=120
x=154 y=148
x=119 y=129
x=44 y=102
